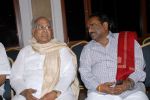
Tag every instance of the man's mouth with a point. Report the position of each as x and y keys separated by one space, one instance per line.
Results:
x=91 y=34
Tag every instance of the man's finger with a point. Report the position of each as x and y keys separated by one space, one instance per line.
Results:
x=32 y=90
x=109 y=83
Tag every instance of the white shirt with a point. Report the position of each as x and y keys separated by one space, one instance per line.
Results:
x=98 y=64
x=4 y=65
x=27 y=71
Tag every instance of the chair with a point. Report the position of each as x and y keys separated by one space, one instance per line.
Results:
x=12 y=52
x=146 y=40
x=77 y=49
x=11 y=61
x=8 y=90
x=146 y=54
x=7 y=87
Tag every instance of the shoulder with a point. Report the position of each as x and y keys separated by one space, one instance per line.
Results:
x=89 y=45
x=66 y=53
x=115 y=34
x=57 y=42
x=1 y=45
x=65 y=50
x=2 y=48
x=26 y=49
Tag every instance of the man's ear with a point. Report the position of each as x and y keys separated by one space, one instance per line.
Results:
x=33 y=31
x=105 y=24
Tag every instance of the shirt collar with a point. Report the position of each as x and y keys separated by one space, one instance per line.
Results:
x=110 y=35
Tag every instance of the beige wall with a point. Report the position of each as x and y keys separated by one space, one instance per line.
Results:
x=41 y=8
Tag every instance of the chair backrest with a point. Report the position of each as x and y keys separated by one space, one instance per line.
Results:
x=77 y=49
x=7 y=88
x=146 y=54
x=11 y=61
x=7 y=95
x=146 y=40
x=12 y=52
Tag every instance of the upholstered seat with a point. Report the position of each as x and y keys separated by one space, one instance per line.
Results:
x=146 y=54
x=77 y=49
x=12 y=54
x=146 y=40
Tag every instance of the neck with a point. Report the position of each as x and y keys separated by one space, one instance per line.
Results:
x=103 y=40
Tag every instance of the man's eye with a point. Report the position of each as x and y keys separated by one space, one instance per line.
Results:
x=41 y=27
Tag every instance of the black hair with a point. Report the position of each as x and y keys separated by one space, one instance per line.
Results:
x=102 y=17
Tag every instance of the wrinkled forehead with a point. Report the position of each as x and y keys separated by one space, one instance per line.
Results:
x=42 y=21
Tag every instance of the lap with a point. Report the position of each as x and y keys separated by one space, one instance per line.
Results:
x=96 y=96
x=137 y=96
x=18 y=97
x=66 y=96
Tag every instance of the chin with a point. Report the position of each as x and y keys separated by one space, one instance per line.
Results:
x=43 y=42
x=93 y=37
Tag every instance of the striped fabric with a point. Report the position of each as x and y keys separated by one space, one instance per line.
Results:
x=98 y=64
x=126 y=63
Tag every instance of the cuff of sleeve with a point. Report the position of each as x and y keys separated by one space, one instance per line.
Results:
x=19 y=88
x=95 y=86
x=133 y=78
x=59 y=88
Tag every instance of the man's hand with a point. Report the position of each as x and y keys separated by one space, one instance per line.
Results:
x=2 y=79
x=27 y=93
x=49 y=96
x=117 y=89
x=106 y=87
x=127 y=85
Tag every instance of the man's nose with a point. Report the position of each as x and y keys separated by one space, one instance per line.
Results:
x=90 y=29
x=45 y=30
